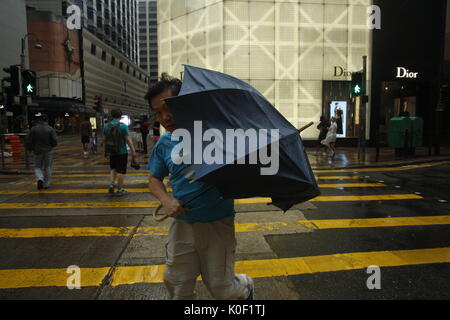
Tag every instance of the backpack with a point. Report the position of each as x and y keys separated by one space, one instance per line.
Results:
x=112 y=139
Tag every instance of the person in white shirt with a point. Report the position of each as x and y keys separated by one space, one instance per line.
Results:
x=330 y=140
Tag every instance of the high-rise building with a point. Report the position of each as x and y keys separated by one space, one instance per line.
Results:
x=299 y=54
x=97 y=62
x=112 y=21
x=115 y=23
x=148 y=38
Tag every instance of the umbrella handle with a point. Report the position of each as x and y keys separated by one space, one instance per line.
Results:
x=155 y=214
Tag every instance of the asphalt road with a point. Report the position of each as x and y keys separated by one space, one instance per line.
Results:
x=394 y=219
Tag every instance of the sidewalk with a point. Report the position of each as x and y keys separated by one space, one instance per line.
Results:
x=68 y=156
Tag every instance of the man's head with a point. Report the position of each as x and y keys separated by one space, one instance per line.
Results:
x=165 y=88
x=116 y=114
x=43 y=118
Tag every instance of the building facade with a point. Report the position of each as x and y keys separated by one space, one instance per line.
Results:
x=91 y=70
x=11 y=33
x=408 y=69
x=299 y=54
x=112 y=77
x=148 y=41
x=115 y=22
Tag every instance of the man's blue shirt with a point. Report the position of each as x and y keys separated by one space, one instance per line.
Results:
x=208 y=207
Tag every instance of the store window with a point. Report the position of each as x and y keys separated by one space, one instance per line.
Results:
x=338 y=103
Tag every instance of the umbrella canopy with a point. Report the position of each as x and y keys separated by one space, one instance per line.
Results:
x=238 y=142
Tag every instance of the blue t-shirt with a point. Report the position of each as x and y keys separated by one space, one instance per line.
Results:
x=208 y=207
x=123 y=130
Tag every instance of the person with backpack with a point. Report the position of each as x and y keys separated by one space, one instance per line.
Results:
x=116 y=140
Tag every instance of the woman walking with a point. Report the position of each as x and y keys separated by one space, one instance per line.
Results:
x=330 y=140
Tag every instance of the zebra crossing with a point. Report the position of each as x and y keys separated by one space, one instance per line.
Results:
x=119 y=248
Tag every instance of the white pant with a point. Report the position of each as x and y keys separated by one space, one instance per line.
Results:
x=206 y=249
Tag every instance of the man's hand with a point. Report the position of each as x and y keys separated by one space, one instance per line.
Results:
x=173 y=207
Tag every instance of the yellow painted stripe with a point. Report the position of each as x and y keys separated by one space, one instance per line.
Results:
x=339 y=177
x=402 y=168
x=121 y=231
x=316 y=171
x=240 y=227
x=78 y=182
x=375 y=222
x=26 y=278
x=351 y=185
x=126 y=275
x=367 y=198
x=152 y=204
x=144 y=190
x=80 y=205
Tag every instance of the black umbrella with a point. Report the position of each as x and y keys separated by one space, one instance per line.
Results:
x=238 y=142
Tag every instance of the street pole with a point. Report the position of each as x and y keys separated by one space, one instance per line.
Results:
x=22 y=68
x=363 y=110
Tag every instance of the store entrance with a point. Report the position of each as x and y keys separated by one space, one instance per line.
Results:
x=337 y=103
x=399 y=99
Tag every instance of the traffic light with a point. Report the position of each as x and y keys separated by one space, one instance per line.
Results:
x=13 y=79
x=358 y=88
x=28 y=83
x=98 y=104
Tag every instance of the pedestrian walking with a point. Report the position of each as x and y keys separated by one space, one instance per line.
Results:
x=323 y=128
x=41 y=140
x=144 y=132
x=86 y=133
x=116 y=139
x=330 y=140
x=201 y=237
x=136 y=137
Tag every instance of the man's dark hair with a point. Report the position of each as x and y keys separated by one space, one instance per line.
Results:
x=43 y=117
x=116 y=114
x=166 y=82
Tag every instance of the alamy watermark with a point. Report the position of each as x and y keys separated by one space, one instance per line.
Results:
x=74 y=280
x=374 y=281
x=234 y=145
x=74 y=17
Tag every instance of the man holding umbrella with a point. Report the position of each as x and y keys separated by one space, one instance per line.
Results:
x=201 y=236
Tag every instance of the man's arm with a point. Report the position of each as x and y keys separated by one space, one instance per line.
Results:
x=172 y=206
x=130 y=143
x=54 y=138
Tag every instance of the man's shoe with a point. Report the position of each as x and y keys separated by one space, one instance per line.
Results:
x=111 y=188
x=40 y=184
x=121 y=192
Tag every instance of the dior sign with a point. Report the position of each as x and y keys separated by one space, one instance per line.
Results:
x=341 y=72
x=405 y=73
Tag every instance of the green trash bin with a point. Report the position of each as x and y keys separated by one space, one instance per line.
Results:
x=416 y=132
x=399 y=127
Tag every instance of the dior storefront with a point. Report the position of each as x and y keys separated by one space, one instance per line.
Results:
x=299 y=54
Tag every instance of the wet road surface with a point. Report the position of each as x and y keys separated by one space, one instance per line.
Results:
x=396 y=219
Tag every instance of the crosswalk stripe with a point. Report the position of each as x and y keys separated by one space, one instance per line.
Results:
x=152 y=204
x=316 y=171
x=144 y=190
x=339 y=177
x=68 y=232
x=126 y=275
x=402 y=168
x=376 y=222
